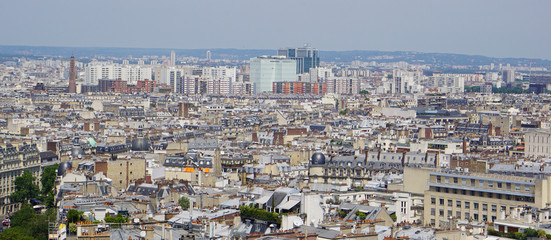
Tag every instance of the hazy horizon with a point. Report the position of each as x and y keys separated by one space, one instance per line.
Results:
x=493 y=28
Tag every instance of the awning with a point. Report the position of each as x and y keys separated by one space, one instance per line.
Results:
x=263 y=200
x=288 y=205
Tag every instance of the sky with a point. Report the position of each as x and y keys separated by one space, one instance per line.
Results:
x=495 y=28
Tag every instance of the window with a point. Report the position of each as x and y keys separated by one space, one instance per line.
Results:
x=527 y=188
x=432 y=200
x=490 y=184
x=458 y=203
x=499 y=185
x=475 y=206
x=450 y=202
x=517 y=186
x=438 y=179
x=481 y=183
x=472 y=182
x=508 y=185
x=484 y=207
x=481 y=194
x=458 y=214
x=494 y=208
x=454 y=180
x=475 y=216
x=467 y=215
x=441 y=212
x=447 y=179
x=464 y=180
x=450 y=213
x=490 y=195
x=441 y=201
x=467 y=205
x=432 y=211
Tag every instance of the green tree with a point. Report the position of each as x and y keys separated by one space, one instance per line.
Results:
x=74 y=216
x=184 y=202
x=15 y=233
x=25 y=224
x=117 y=219
x=25 y=189
x=364 y=92
x=361 y=215
x=48 y=182
x=22 y=217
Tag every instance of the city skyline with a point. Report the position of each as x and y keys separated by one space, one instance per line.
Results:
x=489 y=28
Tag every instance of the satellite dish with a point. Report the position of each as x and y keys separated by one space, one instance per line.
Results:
x=142 y=234
x=136 y=220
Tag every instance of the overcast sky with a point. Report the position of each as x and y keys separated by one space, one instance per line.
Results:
x=496 y=28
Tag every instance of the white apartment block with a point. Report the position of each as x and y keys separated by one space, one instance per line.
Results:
x=406 y=81
x=447 y=83
x=346 y=86
x=130 y=73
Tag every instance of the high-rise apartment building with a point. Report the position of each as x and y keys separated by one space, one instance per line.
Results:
x=346 y=86
x=508 y=75
x=406 y=81
x=306 y=57
x=172 y=58
x=447 y=83
x=265 y=70
x=130 y=73
x=299 y=88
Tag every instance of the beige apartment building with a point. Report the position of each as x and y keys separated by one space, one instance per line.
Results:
x=477 y=197
x=537 y=143
x=122 y=171
x=16 y=158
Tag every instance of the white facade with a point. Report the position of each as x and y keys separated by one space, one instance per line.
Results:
x=347 y=86
x=130 y=73
x=406 y=81
x=538 y=144
x=447 y=83
x=265 y=70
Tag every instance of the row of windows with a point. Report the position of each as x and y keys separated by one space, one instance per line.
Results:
x=484 y=194
x=483 y=183
x=467 y=204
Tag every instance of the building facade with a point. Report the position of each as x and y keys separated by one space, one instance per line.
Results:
x=306 y=57
x=265 y=70
x=479 y=197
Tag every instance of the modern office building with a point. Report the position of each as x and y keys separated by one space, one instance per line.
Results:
x=540 y=83
x=306 y=57
x=265 y=70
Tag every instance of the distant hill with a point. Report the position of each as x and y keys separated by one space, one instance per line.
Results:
x=437 y=59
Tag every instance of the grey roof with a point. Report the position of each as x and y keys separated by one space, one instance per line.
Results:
x=371 y=212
